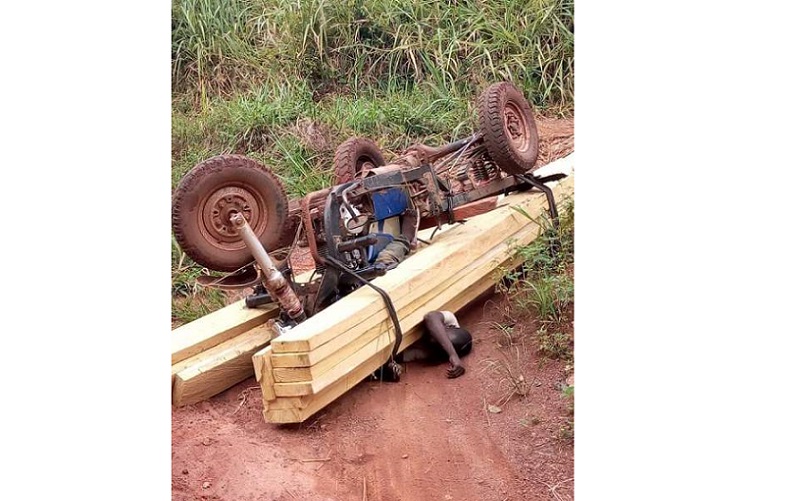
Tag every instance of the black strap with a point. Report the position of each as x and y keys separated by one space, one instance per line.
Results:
x=539 y=184
x=393 y=315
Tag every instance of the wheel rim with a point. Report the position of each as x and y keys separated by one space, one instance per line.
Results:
x=217 y=208
x=516 y=127
x=364 y=164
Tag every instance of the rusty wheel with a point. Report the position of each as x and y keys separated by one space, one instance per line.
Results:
x=354 y=156
x=212 y=191
x=508 y=128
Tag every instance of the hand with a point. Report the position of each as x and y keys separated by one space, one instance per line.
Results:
x=455 y=369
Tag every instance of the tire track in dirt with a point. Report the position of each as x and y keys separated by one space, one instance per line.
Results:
x=424 y=450
x=354 y=449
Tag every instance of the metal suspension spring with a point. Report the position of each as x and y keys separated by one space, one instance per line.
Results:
x=484 y=168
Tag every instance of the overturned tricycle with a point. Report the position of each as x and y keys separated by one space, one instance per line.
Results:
x=231 y=214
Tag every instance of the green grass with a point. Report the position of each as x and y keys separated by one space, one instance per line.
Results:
x=549 y=295
x=543 y=284
x=223 y=46
x=555 y=344
x=190 y=301
x=269 y=124
x=542 y=287
x=216 y=45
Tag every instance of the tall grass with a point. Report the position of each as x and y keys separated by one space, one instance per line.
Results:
x=269 y=124
x=543 y=284
x=454 y=46
x=189 y=300
x=214 y=44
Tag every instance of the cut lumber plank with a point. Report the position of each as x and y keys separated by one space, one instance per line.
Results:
x=264 y=371
x=221 y=325
x=298 y=409
x=183 y=365
x=360 y=307
x=450 y=254
x=220 y=367
x=216 y=327
x=364 y=339
x=384 y=336
x=412 y=314
x=353 y=377
x=330 y=353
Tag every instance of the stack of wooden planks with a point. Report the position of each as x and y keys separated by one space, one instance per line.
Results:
x=214 y=352
x=310 y=366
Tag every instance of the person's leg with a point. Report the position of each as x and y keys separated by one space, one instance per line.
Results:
x=396 y=251
x=422 y=349
x=393 y=253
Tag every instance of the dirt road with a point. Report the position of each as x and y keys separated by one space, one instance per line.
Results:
x=424 y=438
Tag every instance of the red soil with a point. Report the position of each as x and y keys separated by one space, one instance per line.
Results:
x=424 y=438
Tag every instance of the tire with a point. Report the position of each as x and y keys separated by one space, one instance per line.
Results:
x=353 y=156
x=210 y=192
x=507 y=125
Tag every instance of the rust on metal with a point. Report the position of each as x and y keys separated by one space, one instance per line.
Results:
x=515 y=126
x=273 y=280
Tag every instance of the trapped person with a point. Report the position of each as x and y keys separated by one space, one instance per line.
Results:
x=444 y=340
